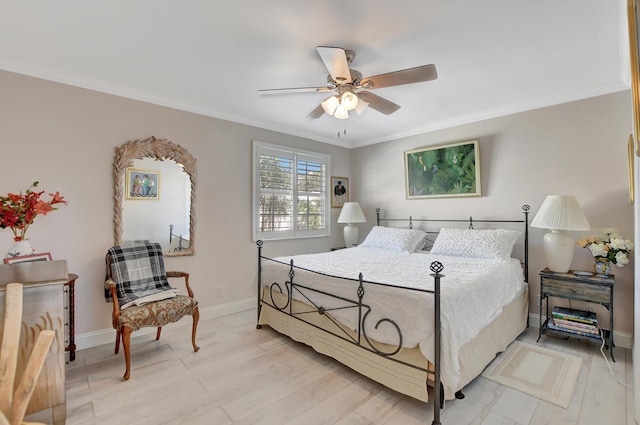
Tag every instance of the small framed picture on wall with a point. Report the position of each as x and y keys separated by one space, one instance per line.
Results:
x=339 y=191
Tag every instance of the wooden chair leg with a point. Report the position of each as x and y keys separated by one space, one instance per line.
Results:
x=118 y=336
x=126 y=344
x=158 y=333
x=194 y=328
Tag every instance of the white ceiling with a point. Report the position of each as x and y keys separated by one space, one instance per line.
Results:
x=493 y=57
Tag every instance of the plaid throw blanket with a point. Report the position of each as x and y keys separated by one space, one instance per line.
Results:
x=139 y=274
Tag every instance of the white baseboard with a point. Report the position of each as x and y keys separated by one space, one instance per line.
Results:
x=620 y=339
x=107 y=336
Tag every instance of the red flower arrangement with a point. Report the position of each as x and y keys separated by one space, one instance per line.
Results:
x=19 y=211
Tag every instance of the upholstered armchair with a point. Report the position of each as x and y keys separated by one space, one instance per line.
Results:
x=137 y=283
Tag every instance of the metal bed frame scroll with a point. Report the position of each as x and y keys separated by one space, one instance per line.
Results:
x=359 y=338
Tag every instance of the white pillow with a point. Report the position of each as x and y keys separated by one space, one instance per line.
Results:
x=476 y=243
x=395 y=239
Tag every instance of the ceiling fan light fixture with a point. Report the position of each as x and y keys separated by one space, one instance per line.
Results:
x=330 y=104
x=362 y=105
x=349 y=100
x=341 y=113
x=344 y=81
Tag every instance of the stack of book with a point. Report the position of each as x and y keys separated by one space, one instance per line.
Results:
x=579 y=322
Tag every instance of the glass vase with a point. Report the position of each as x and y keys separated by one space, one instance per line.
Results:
x=602 y=267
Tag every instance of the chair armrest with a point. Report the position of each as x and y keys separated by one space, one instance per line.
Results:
x=111 y=286
x=185 y=275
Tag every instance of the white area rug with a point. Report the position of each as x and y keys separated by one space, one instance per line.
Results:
x=546 y=374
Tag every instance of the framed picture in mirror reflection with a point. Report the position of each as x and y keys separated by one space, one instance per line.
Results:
x=143 y=184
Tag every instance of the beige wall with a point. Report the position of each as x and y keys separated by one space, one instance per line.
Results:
x=577 y=148
x=65 y=137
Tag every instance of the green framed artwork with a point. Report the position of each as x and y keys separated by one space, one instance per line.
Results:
x=449 y=170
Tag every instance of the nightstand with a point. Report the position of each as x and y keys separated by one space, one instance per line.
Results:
x=592 y=289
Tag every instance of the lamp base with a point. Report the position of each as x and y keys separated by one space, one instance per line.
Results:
x=351 y=235
x=559 y=247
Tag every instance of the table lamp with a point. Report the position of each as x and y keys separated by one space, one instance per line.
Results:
x=560 y=213
x=351 y=213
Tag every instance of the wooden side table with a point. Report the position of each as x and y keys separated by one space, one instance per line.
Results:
x=69 y=288
x=592 y=289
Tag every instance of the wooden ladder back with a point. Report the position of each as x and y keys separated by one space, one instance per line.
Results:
x=13 y=404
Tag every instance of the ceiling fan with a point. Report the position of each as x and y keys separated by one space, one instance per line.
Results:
x=350 y=87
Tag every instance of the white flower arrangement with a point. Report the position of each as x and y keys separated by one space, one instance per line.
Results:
x=609 y=245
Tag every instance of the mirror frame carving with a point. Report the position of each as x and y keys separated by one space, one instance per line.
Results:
x=159 y=149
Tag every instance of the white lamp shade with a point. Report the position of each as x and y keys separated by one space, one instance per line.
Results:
x=349 y=100
x=560 y=213
x=362 y=105
x=341 y=113
x=351 y=213
x=330 y=104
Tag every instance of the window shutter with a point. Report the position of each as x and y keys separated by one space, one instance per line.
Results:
x=311 y=178
x=290 y=193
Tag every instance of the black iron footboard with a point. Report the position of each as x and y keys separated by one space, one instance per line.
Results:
x=316 y=300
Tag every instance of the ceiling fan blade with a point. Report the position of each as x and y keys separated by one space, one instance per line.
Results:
x=316 y=113
x=294 y=90
x=397 y=78
x=378 y=103
x=335 y=59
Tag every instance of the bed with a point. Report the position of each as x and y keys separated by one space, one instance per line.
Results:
x=404 y=314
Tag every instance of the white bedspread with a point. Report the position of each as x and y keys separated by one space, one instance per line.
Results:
x=474 y=291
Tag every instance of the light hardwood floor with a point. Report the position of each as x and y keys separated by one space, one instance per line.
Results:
x=242 y=375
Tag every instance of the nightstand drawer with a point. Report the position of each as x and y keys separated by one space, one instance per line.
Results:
x=577 y=291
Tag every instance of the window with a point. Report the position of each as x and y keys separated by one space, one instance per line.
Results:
x=290 y=193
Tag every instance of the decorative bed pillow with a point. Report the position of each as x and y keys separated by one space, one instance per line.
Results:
x=395 y=239
x=476 y=243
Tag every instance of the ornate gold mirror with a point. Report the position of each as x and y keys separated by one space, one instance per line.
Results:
x=154 y=195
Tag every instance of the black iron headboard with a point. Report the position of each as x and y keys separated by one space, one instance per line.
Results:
x=525 y=210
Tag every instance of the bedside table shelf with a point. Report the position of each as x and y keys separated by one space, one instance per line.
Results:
x=591 y=289
x=547 y=330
